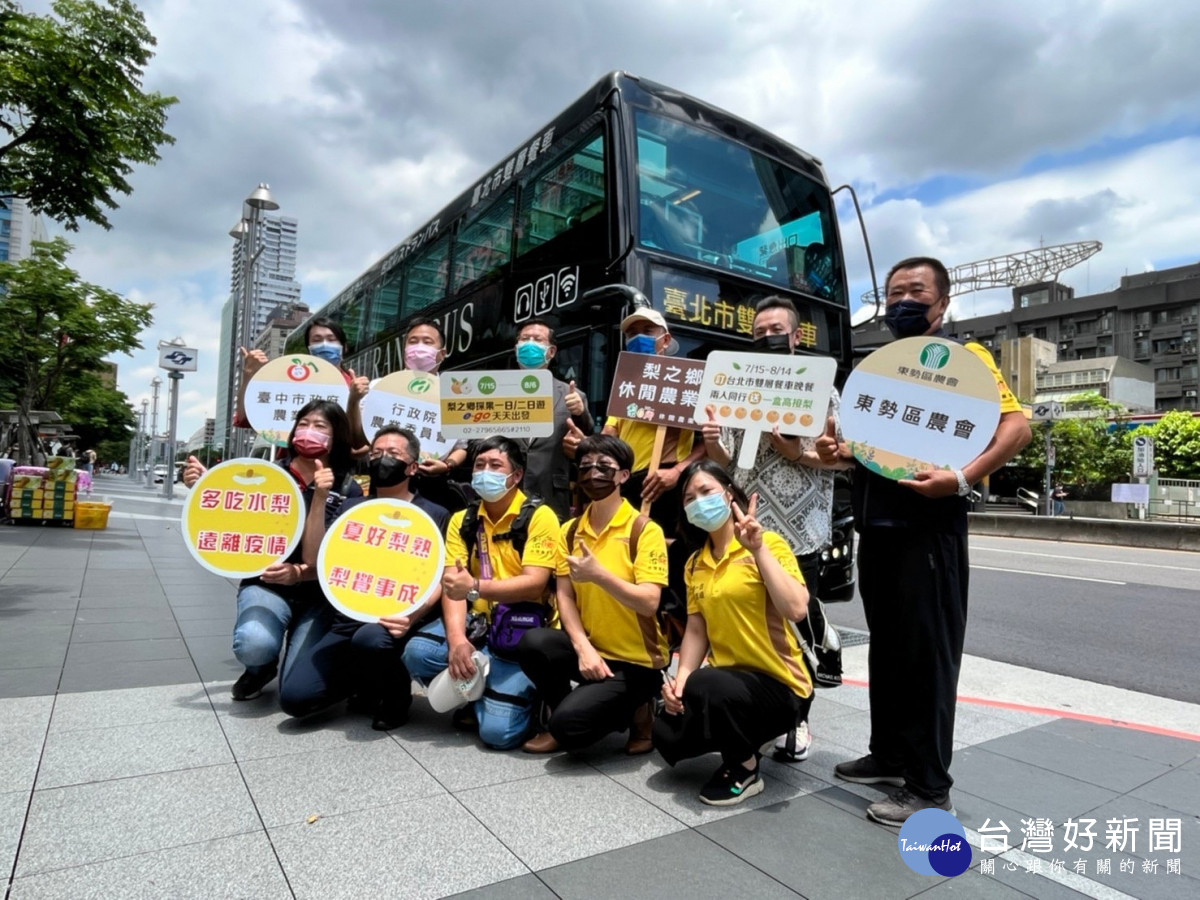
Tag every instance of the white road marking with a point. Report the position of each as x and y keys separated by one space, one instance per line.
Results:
x=1048 y=574
x=1090 y=559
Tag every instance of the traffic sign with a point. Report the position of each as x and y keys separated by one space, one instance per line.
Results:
x=1143 y=456
x=1047 y=412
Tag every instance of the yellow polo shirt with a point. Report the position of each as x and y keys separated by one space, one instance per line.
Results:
x=541 y=546
x=745 y=630
x=1008 y=403
x=640 y=437
x=615 y=630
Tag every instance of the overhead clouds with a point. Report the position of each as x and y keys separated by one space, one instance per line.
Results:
x=367 y=117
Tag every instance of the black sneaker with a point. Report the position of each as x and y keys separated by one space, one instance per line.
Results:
x=731 y=785
x=868 y=770
x=389 y=715
x=251 y=684
x=899 y=805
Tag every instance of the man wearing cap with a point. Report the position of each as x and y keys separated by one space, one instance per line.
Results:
x=645 y=331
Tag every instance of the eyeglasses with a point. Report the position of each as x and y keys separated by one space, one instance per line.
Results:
x=396 y=456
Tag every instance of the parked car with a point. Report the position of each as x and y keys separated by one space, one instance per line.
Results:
x=160 y=472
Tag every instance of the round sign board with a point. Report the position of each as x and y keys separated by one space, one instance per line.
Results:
x=283 y=386
x=410 y=400
x=917 y=404
x=242 y=516
x=381 y=558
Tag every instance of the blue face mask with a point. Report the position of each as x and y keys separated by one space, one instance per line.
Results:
x=641 y=343
x=709 y=512
x=906 y=318
x=531 y=355
x=330 y=352
x=491 y=486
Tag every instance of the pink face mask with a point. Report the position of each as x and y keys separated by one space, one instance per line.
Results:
x=420 y=357
x=311 y=443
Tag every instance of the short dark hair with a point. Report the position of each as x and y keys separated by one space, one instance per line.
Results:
x=777 y=302
x=606 y=445
x=941 y=277
x=424 y=320
x=340 y=458
x=538 y=320
x=326 y=322
x=507 y=446
x=414 y=446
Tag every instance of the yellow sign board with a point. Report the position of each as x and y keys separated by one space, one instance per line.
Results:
x=513 y=402
x=243 y=516
x=381 y=558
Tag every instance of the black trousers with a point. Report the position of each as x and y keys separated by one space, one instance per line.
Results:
x=914 y=589
x=582 y=716
x=728 y=711
x=349 y=658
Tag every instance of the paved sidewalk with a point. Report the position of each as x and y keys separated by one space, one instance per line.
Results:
x=128 y=772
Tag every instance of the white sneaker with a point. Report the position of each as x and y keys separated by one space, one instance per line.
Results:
x=799 y=740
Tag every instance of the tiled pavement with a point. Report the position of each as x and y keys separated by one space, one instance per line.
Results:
x=127 y=772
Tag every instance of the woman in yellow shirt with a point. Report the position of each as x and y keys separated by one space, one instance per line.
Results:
x=743 y=588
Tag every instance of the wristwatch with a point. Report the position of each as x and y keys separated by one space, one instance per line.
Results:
x=473 y=593
x=964 y=489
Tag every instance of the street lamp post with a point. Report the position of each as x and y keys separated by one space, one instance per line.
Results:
x=176 y=359
x=155 y=384
x=246 y=232
x=142 y=448
x=133 y=443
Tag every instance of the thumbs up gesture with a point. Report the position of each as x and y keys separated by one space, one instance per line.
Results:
x=252 y=361
x=359 y=385
x=457 y=580
x=711 y=429
x=573 y=401
x=828 y=447
x=322 y=479
x=585 y=568
x=570 y=441
x=192 y=471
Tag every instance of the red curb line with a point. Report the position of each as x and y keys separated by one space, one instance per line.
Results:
x=1062 y=714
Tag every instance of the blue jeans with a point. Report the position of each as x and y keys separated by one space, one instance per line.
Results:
x=264 y=619
x=505 y=713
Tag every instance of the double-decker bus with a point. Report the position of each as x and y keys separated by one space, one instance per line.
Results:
x=635 y=194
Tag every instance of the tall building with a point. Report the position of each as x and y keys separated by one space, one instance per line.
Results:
x=283 y=321
x=1151 y=318
x=273 y=287
x=19 y=228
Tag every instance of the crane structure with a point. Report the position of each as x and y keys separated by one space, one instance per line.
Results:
x=1010 y=270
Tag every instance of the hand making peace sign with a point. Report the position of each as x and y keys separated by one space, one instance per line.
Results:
x=746 y=528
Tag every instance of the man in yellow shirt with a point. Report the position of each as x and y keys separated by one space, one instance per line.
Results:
x=912 y=575
x=499 y=556
x=612 y=565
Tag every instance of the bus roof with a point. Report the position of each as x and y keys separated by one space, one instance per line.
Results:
x=630 y=89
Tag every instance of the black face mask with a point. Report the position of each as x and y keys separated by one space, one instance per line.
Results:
x=387 y=472
x=772 y=343
x=907 y=318
x=596 y=486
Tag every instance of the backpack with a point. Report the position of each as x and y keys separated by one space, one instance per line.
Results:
x=635 y=535
x=518 y=532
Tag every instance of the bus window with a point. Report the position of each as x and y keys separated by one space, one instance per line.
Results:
x=350 y=318
x=426 y=277
x=705 y=197
x=485 y=244
x=385 y=306
x=568 y=192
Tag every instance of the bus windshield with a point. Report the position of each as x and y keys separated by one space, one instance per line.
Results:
x=708 y=198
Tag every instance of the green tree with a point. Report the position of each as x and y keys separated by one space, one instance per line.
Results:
x=1087 y=453
x=1177 y=445
x=57 y=329
x=96 y=412
x=74 y=119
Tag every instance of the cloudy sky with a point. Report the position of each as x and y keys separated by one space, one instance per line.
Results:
x=969 y=129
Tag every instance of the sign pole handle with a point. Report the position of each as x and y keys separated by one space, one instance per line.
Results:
x=660 y=437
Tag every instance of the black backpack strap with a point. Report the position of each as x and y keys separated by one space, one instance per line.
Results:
x=635 y=536
x=468 y=529
x=571 y=529
x=518 y=532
